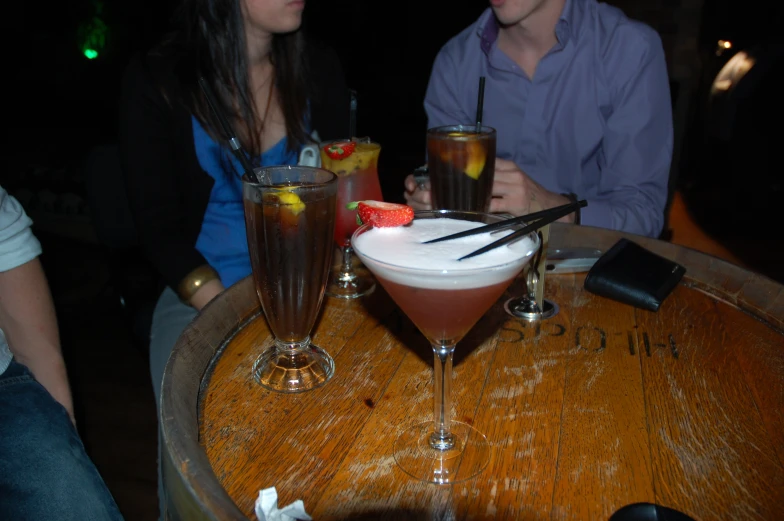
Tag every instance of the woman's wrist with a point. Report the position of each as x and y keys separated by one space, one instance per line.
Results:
x=206 y=293
x=195 y=280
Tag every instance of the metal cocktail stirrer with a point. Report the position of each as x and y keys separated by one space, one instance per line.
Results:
x=534 y=306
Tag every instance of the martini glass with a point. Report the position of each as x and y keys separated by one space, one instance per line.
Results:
x=444 y=299
x=289 y=220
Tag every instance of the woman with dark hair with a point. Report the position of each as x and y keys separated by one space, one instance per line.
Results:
x=279 y=93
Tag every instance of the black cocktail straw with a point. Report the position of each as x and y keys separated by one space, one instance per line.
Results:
x=480 y=104
x=552 y=217
x=352 y=114
x=514 y=221
x=234 y=143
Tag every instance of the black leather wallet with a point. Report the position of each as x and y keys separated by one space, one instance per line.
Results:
x=629 y=273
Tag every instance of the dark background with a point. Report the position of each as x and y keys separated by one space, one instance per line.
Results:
x=69 y=104
x=63 y=104
x=59 y=106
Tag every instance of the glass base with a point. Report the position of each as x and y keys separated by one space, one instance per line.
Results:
x=356 y=284
x=293 y=370
x=469 y=455
x=527 y=308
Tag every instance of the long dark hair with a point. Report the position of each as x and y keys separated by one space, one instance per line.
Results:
x=212 y=33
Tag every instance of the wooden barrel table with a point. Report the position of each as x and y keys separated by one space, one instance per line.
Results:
x=601 y=406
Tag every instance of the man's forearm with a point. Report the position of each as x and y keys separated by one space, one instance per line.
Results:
x=27 y=317
x=624 y=212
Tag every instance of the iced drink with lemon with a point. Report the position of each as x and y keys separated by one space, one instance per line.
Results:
x=461 y=165
x=289 y=220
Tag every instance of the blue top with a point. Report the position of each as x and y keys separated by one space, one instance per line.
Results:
x=222 y=239
x=595 y=120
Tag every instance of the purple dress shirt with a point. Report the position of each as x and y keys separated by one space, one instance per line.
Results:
x=595 y=121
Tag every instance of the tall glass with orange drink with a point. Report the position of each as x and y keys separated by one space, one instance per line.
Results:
x=355 y=162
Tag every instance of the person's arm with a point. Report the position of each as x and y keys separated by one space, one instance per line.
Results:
x=27 y=316
x=636 y=146
x=516 y=193
x=148 y=140
x=208 y=291
x=637 y=143
x=28 y=319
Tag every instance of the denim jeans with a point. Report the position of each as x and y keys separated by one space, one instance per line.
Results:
x=45 y=472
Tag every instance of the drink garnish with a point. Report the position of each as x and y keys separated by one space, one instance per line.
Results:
x=290 y=200
x=381 y=214
x=476 y=160
x=469 y=158
x=340 y=150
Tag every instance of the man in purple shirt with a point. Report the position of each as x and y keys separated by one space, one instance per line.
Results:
x=579 y=96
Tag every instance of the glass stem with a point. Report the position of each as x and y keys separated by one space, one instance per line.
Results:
x=442 y=438
x=292 y=347
x=346 y=272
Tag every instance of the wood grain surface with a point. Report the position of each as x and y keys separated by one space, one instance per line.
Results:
x=600 y=406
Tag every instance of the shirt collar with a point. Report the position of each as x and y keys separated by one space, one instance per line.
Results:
x=570 y=21
x=487 y=29
x=566 y=28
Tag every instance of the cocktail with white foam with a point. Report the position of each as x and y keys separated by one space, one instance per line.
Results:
x=444 y=297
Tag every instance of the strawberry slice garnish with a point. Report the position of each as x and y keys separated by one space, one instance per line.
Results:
x=340 y=150
x=381 y=214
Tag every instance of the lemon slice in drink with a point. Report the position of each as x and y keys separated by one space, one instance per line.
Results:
x=290 y=200
x=473 y=154
x=476 y=160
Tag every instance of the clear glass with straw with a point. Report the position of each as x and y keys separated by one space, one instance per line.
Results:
x=461 y=163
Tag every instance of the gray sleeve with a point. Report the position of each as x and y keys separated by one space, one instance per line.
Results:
x=18 y=245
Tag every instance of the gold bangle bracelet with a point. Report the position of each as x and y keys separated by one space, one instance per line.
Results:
x=194 y=281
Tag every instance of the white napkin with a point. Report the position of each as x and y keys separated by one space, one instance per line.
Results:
x=267 y=508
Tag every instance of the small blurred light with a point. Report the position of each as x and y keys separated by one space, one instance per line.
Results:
x=732 y=72
x=90 y=54
x=723 y=45
x=721 y=85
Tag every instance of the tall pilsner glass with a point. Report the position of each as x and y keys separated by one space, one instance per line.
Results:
x=290 y=218
x=444 y=297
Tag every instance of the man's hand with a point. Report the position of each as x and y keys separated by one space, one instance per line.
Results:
x=516 y=193
x=513 y=192
x=417 y=197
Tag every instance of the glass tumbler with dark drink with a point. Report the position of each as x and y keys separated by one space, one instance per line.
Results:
x=290 y=219
x=461 y=166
